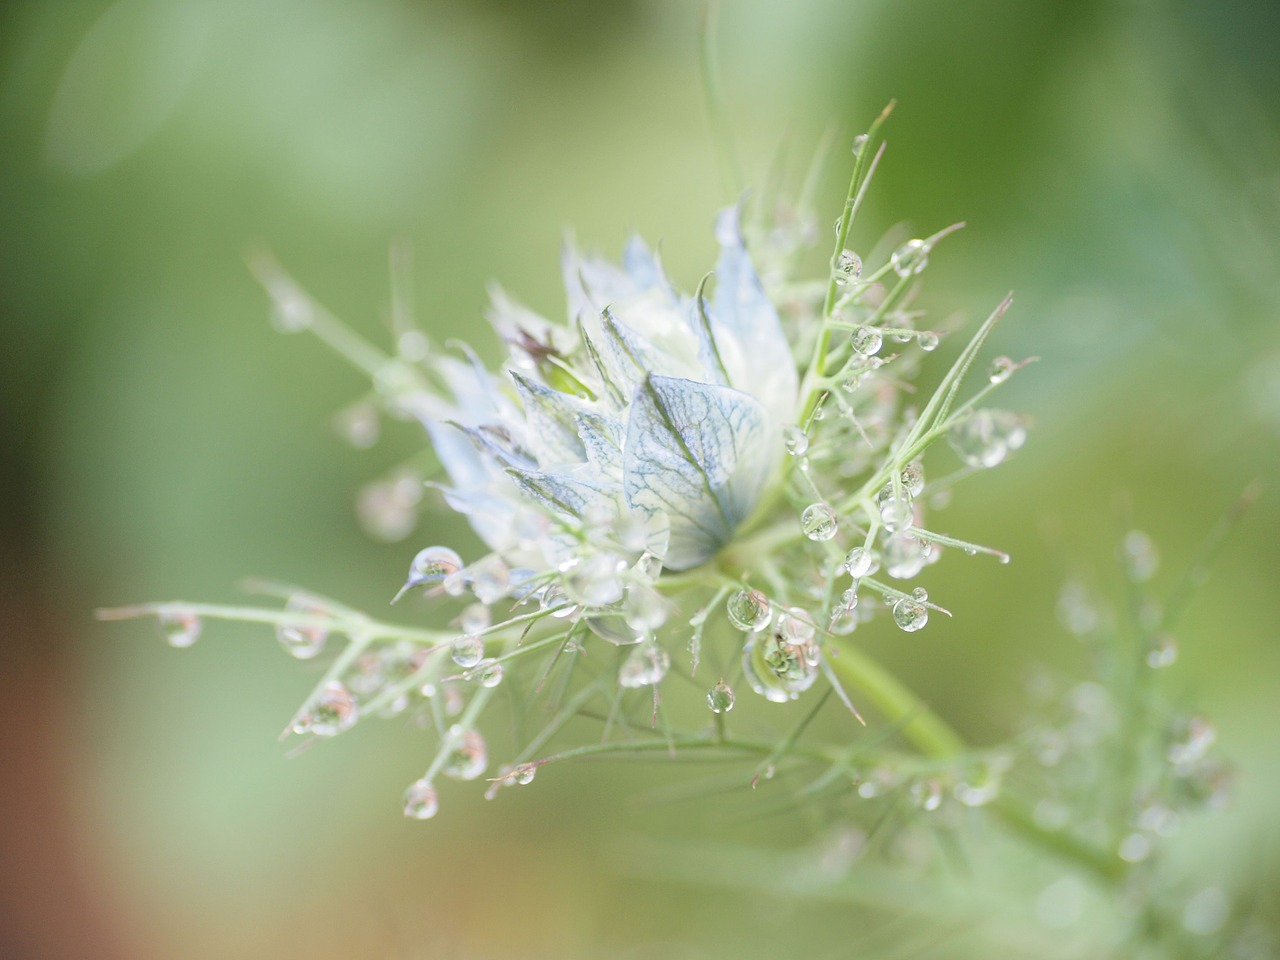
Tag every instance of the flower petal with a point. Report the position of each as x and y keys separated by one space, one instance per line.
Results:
x=701 y=453
x=747 y=330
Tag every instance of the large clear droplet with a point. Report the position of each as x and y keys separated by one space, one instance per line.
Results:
x=895 y=511
x=645 y=665
x=928 y=340
x=593 y=580
x=332 y=712
x=848 y=267
x=433 y=565
x=180 y=628
x=749 y=610
x=720 y=698
x=643 y=608
x=867 y=341
x=859 y=144
x=488 y=673
x=475 y=619
x=795 y=440
x=777 y=670
x=467 y=651
x=303 y=642
x=905 y=555
x=986 y=438
x=818 y=522
x=420 y=800
x=861 y=562
x=910 y=615
x=911 y=258
x=468 y=755
x=1000 y=370
x=913 y=478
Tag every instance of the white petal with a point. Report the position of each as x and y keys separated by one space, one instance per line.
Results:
x=748 y=332
x=701 y=453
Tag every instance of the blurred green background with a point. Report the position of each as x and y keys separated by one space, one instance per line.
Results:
x=1118 y=164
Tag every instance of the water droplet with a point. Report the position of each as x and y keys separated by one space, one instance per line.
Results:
x=909 y=615
x=593 y=580
x=291 y=311
x=358 y=425
x=1135 y=848
x=388 y=509
x=913 y=478
x=895 y=511
x=848 y=267
x=523 y=774
x=911 y=258
x=928 y=340
x=467 y=651
x=332 y=712
x=615 y=629
x=1141 y=556
x=488 y=673
x=777 y=670
x=795 y=440
x=867 y=341
x=1001 y=369
x=861 y=562
x=433 y=565
x=555 y=600
x=645 y=665
x=303 y=642
x=795 y=626
x=413 y=345
x=720 y=698
x=490 y=579
x=749 y=610
x=643 y=608
x=979 y=789
x=818 y=522
x=1162 y=652
x=920 y=594
x=927 y=794
x=859 y=144
x=1206 y=912
x=904 y=555
x=420 y=800
x=1190 y=740
x=475 y=619
x=180 y=628
x=1076 y=610
x=987 y=437
x=455 y=584
x=468 y=755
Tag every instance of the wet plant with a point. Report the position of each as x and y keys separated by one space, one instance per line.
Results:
x=686 y=499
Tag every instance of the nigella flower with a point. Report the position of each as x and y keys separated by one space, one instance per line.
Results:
x=648 y=426
x=740 y=463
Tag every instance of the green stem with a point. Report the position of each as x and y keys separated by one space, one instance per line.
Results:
x=934 y=737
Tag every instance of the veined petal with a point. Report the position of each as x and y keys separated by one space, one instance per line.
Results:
x=747 y=330
x=572 y=497
x=551 y=432
x=700 y=452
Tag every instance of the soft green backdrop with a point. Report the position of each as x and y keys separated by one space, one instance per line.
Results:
x=1117 y=163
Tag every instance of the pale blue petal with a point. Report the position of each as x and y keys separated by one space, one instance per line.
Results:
x=749 y=334
x=702 y=454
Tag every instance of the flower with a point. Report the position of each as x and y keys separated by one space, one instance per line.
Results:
x=743 y=462
x=650 y=423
